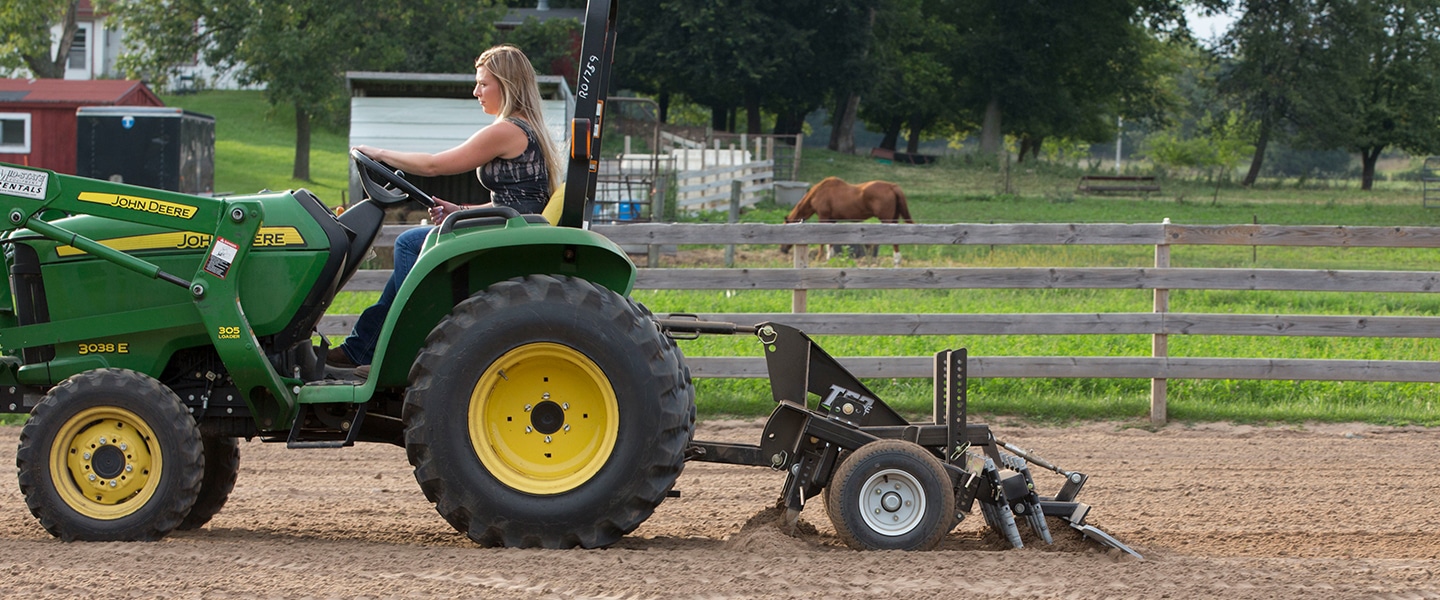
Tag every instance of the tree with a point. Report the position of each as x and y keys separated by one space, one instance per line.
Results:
x=1376 y=82
x=787 y=57
x=1269 y=46
x=1057 y=68
x=553 y=46
x=25 y=35
x=1221 y=142
x=911 y=77
x=299 y=49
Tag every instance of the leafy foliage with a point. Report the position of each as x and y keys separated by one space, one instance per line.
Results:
x=298 y=50
x=25 y=37
x=553 y=46
x=1222 y=144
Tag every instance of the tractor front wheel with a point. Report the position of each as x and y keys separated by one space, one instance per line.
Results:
x=222 y=468
x=547 y=412
x=110 y=455
x=891 y=495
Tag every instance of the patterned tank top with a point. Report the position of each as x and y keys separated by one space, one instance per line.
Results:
x=523 y=182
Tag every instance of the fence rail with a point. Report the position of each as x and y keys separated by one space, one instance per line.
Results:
x=1160 y=279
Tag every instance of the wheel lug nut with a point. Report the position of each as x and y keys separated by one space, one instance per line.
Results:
x=567 y=427
x=102 y=441
x=124 y=446
x=528 y=429
x=565 y=406
x=527 y=408
x=547 y=439
x=112 y=483
x=92 y=477
x=86 y=455
x=129 y=468
x=545 y=396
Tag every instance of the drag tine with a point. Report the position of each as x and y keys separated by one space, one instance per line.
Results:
x=1004 y=516
x=1007 y=521
x=1037 y=523
x=992 y=518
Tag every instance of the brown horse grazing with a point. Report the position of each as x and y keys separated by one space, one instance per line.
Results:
x=833 y=201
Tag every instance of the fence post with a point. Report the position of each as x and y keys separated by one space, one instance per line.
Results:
x=798 y=297
x=734 y=218
x=795 y=170
x=1160 y=342
x=658 y=188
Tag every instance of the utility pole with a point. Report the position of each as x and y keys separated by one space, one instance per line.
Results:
x=1119 y=139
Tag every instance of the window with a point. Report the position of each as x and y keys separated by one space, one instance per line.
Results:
x=15 y=133
x=77 y=49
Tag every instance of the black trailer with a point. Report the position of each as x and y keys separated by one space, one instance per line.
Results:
x=153 y=146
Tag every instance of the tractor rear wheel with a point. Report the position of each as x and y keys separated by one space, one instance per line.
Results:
x=110 y=455
x=222 y=467
x=891 y=495
x=547 y=412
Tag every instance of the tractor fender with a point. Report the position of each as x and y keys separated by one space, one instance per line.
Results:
x=454 y=265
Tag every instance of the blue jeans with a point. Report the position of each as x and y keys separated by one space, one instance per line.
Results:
x=360 y=345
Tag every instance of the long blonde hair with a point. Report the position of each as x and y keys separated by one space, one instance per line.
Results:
x=521 y=97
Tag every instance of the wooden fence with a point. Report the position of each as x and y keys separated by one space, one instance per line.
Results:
x=1161 y=278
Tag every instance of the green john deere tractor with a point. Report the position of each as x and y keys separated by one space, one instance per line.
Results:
x=145 y=331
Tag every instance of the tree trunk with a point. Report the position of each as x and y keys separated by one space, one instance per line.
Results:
x=842 y=136
x=991 y=141
x=912 y=142
x=752 y=111
x=892 y=134
x=1368 y=157
x=789 y=123
x=302 y=144
x=1030 y=145
x=717 y=117
x=1259 y=159
x=664 y=103
x=44 y=67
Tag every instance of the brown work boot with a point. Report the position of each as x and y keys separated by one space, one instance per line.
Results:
x=337 y=358
x=362 y=372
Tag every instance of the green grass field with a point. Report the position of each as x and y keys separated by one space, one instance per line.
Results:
x=255 y=146
x=254 y=150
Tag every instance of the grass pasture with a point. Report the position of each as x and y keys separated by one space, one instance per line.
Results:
x=255 y=148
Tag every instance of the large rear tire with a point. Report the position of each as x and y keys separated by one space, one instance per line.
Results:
x=547 y=412
x=222 y=468
x=110 y=455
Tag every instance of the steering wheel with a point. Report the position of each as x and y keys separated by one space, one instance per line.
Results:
x=394 y=178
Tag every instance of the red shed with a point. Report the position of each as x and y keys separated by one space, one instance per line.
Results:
x=37 y=117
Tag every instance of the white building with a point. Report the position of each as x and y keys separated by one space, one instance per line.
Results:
x=96 y=49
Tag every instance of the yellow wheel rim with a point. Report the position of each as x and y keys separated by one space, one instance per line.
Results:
x=105 y=463
x=543 y=419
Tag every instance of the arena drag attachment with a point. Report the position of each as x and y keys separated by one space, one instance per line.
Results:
x=889 y=483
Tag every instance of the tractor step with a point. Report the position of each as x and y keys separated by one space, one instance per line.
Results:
x=326 y=425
